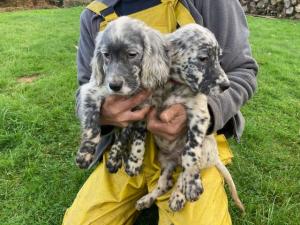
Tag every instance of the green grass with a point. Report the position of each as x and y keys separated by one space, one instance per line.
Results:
x=39 y=132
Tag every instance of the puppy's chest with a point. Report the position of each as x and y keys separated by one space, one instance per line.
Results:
x=169 y=95
x=170 y=149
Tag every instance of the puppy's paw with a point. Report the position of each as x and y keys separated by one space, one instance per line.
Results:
x=114 y=164
x=144 y=202
x=86 y=154
x=84 y=159
x=176 y=201
x=192 y=186
x=133 y=166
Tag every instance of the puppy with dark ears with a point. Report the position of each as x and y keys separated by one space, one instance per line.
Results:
x=196 y=73
x=129 y=56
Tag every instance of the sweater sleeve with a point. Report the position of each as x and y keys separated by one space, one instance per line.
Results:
x=89 y=25
x=226 y=19
x=86 y=48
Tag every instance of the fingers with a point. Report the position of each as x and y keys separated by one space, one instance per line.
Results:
x=130 y=116
x=172 y=112
x=117 y=110
x=170 y=130
x=134 y=101
x=154 y=124
x=118 y=104
x=124 y=118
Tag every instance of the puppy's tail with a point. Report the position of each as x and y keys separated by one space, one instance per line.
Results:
x=228 y=178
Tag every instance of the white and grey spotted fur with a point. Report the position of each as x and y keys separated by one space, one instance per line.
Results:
x=129 y=56
x=196 y=72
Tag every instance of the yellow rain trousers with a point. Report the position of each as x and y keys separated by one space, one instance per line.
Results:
x=109 y=199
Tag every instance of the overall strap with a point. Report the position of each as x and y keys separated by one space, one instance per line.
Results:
x=181 y=13
x=177 y=13
x=105 y=9
x=101 y=7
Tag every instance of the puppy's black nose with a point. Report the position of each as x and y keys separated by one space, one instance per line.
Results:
x=224 y=86
x=116 y=86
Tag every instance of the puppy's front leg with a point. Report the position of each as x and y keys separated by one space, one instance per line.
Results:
x=198 y=121
x=114 y=161
x=135 y=159
x=90 y=98
x=177 y=199
x=118 y=150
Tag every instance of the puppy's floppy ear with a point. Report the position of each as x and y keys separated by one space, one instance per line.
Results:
x=97 y=69
x=97 y=63
x=156 y=61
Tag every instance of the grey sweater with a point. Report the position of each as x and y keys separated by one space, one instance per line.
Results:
x=226 y=19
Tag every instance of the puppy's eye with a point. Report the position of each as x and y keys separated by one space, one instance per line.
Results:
x=203 y=58
x=106 y=54
x=132 y=54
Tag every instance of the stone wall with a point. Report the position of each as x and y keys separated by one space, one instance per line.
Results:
x=68 y=3
x=278 y=8
x=28 y=3
x=21 y=3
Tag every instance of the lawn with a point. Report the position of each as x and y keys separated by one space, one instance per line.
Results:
x=39 y=133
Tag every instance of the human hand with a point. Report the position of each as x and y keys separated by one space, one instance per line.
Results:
x=170 y=124
x=117 y=110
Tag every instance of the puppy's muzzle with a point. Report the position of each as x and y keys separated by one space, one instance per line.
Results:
x=116 y=86
x=224 y=86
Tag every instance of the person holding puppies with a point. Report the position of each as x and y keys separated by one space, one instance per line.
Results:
x=110 y=198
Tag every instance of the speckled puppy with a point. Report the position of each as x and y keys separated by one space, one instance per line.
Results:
x=129 y=56
x=196 y=72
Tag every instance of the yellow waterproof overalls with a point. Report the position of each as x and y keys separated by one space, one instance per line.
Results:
x=109 y=199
